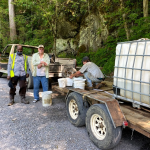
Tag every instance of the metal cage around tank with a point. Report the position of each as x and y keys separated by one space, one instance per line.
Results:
x=143 y=57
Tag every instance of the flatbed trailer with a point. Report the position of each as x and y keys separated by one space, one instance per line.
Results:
x=104 y=130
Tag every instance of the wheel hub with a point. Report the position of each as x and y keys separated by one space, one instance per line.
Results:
x=98 y=126
x=73 y=109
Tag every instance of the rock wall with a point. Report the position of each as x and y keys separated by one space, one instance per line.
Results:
x=93 y=32
x=89 y=34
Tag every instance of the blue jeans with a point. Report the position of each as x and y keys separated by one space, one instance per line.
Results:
x=36 y=81
x=89 y=78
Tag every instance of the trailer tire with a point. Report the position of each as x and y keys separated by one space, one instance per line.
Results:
x=76 y=109
x=30 y=81
x=1 y=73
x=100 y=127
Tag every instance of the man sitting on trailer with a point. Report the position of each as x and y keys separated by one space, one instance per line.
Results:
x=91 y=72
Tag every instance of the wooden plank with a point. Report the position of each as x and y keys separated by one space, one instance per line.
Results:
x=139 y=130
x=61 y=90
x=108 y=84
x=106 y=88
x=136 y=117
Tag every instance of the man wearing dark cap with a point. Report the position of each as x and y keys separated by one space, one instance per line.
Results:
x=18 y=71
x=91 y=72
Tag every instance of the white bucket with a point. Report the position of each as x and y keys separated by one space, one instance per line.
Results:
x=79 y=85
x=62 y=82
x=78 y=81
x=47 y=98
x=69 y=81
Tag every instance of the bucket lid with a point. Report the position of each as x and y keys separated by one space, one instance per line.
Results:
x=79 y=79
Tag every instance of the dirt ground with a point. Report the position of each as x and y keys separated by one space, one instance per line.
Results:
x=34 y=127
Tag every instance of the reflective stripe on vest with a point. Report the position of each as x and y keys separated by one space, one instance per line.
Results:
x=13 y=57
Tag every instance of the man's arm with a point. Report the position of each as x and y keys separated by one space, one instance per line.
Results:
x=9 y=68
x=27 y=75
x=78 y=73
x=46 y=61
x=34 y=60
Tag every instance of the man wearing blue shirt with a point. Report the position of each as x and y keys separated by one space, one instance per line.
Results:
x=18 y=71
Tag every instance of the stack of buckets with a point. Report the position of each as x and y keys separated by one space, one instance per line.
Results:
x=75 y=82
x=79 y=83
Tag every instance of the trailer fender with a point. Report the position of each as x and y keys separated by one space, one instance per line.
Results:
x=112 y=105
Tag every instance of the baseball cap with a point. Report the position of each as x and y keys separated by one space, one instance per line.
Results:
x=41 y=46
x=86 y=58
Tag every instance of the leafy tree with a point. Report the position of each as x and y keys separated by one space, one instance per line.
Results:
x=37 y=23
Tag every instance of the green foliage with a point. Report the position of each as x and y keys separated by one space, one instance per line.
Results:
x=36 y=23
x=4 y=24
x=103 y=57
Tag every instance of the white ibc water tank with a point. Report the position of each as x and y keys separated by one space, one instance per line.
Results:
x=132 y=71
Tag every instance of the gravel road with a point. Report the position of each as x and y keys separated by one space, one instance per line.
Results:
x=32 y=126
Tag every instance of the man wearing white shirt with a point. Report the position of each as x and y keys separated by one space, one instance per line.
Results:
x=40 y=73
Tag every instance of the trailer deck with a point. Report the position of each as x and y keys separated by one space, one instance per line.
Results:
x=138 y=119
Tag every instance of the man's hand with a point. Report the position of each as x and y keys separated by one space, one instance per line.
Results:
x=71 y=76
x=39 y=66
x=8 y=77
x=43 y=63
x=75 y=74
x=27 y=75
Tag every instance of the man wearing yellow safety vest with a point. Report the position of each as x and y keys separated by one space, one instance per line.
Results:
x=18 y=70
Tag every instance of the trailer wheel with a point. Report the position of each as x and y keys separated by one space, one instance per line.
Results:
x=76 y=109
x=100 y=128
x=30 y=81
x=1 y=73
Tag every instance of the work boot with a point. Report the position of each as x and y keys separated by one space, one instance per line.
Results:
x=23 y=100
x=88 y=88
x=98 y=86
x=11 y=102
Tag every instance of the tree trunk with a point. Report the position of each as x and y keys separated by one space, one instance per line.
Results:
x=124 y=19
x=145 y=8
x=56 y=28
x=55 y=32
x=12 y=24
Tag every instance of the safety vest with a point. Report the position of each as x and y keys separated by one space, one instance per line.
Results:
x=13 y=56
